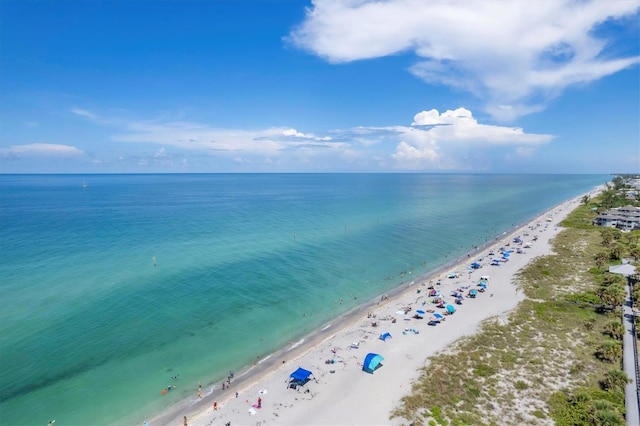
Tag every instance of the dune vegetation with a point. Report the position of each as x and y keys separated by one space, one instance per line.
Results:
x=556 y=359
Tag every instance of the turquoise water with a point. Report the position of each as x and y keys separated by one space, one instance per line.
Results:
x=91 y=330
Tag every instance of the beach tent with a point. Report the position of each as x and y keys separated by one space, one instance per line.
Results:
x=385 y=336
x=372 y=362
x=475 y=265
x=299 y=377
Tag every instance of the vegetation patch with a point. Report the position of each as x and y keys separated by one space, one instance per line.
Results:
x=567 y=362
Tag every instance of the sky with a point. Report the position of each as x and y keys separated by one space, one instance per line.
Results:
x=268 y=86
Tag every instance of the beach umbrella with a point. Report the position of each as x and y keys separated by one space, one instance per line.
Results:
x=437 y=317
x=420 y=312
x=483 y=285
x=451 y=309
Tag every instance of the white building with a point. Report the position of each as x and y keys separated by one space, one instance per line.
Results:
x=624 y=218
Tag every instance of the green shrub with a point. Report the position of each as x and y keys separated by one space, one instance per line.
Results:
x=484 y=370
x=520 y=385
x=539 y=414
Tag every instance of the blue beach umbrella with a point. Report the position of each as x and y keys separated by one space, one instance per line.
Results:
x=420 y=312
x=451 y=309
x=437 y=317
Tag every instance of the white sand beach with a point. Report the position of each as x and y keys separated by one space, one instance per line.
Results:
x=340 y=392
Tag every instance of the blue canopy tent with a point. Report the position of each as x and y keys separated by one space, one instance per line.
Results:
x=372 y=362
x=475 y=265
x=299 y=377
x=385 y=336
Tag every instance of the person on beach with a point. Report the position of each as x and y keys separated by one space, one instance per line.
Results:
x=184 y=421
x=259 y=402
x=215 y=405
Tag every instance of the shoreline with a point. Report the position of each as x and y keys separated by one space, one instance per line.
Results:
x=271 y=372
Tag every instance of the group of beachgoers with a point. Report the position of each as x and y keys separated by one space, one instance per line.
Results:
x=416 y=305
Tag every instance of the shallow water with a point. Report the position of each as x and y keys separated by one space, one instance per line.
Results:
x=110 y=290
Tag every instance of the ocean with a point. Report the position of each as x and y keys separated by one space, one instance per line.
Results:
x=111 y=285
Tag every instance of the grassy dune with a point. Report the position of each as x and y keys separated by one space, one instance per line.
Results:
x=556 y=359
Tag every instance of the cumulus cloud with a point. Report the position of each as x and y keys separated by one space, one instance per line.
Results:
x=449 y=140
x=42 y=149
x=517 y=54
x=452 y=139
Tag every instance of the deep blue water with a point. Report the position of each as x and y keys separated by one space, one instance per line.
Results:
x=111 y=284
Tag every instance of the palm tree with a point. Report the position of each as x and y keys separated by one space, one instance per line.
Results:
x=615 y=329
x=608 y=198
x=615 y=379
x=616 y=252
x=612 y=295
x=608 y=417
x=607 y=236
x=609 y=351
x=601 y=258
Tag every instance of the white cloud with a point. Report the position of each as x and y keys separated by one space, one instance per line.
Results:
x=415 y=156
x=195 y=136
x=446 y=140
x=161 y=153
x=449 y=140
x=459 y=125
x=42 y=149
x=84 y=113
x=516 y=54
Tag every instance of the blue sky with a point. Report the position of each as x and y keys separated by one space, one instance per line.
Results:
x=325 y=86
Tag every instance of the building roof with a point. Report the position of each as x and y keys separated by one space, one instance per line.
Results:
x=625 y=270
